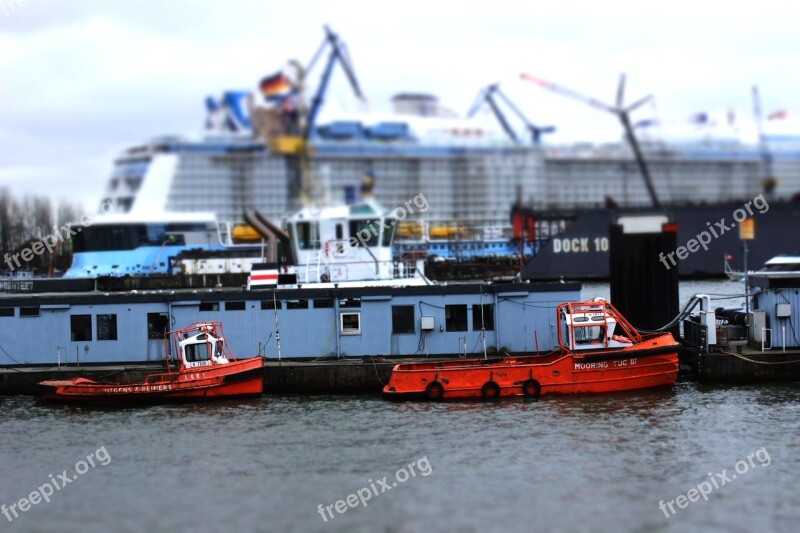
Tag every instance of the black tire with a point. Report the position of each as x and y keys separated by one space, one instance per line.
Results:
x=490 y=390
x=531 y=389
x=434 y=391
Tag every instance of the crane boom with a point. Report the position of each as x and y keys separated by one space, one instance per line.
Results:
x=622 y=113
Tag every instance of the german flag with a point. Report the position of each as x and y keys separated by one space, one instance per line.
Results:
x=275 y=87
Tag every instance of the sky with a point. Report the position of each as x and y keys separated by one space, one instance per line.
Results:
x=82 y=80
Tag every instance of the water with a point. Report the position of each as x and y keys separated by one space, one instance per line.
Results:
x=580 y=463
x=577 y=463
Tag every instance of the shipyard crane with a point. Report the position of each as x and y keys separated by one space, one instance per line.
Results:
x=621 y=111
x=294 y=145
x=487 y=96
x=768 y=180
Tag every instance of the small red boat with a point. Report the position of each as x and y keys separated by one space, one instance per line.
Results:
x=204 y=368
x=599 y=351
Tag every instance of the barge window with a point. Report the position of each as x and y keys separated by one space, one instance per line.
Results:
x=297 y=304
x=6 y=311
x=323 y=303
x=402 y=319
x=157 y=325
x=209 y=306
x=349 y=302
x=80 y=327
x=234 y=306
x=29 y=311
x=488 y=317
x=350 y=323
x=455 y=317
x=106 y=327
x=270 y=304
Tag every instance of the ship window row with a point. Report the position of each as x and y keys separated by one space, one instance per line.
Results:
x=81 y=327
x=23 y=311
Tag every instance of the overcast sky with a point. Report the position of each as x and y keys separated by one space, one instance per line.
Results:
x=82 y=80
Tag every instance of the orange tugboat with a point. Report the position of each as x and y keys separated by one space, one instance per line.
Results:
x=599 y=351
x=205 y=368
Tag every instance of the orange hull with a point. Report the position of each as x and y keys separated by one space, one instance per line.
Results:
x=651 y=363
x=244 y=377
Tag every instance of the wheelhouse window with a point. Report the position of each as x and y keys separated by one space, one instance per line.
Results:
x=483 y=315
x=209 y=306
x=106 y=327
x=197 y=352
x=390 y=226
x=455 y=318
x=402 y=319
x=6 y=311
x=270 y=304
x=157 y=325
x=80 y=327
x=364 y=232
x=234 y=306
x=29 y=311
x=323 y=303
x=350 y=323
x=308 y=235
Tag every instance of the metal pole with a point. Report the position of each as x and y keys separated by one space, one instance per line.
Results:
x=746 y=281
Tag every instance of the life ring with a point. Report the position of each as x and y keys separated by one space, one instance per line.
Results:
x=531 y=389
x=490 y=390
x=327 y=248
x=325 y=278
x=434 y=391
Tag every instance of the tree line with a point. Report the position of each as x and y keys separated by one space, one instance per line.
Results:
x=27 y=220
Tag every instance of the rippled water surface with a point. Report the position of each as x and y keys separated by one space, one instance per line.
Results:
x=579 y=463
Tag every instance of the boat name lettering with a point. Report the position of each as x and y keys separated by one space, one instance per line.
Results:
x=138 y=388
x=625 y=362
x=580 y=245
x=589 y=366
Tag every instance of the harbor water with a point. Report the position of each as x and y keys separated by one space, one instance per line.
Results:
x=691 y=458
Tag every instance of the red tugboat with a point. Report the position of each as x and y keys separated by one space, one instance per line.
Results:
x=205 y=368
x=599 y=351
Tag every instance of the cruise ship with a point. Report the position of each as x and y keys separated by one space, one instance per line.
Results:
x=472 y=174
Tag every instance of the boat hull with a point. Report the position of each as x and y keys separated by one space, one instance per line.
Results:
x=653 y=363
x=240 y=378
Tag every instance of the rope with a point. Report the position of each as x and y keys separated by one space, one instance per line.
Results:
x=375 y=366
x=760 y=362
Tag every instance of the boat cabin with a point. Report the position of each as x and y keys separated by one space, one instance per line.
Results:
x=202 y=344
x=592 y=326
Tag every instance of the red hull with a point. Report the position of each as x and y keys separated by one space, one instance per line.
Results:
x=650 y=363
x=244 y=377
